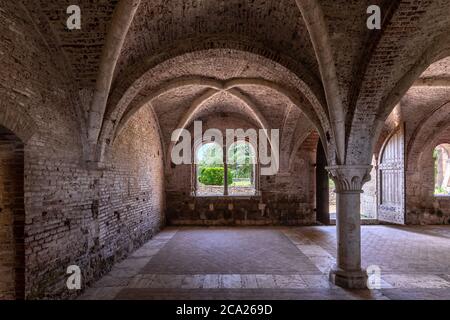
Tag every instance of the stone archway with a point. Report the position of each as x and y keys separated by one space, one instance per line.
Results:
x=12 y=216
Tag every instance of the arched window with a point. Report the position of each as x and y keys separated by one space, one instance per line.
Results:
x=441 y=157
x=211 y=164
x=241 y=162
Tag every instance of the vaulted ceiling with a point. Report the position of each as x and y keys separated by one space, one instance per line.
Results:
x=292 y=65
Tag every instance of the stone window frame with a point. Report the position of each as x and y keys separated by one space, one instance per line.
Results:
x=257 y=174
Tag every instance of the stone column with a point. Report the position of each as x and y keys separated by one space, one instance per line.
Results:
x=349 y=180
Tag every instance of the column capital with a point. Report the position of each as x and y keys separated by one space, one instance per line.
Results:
x=349 y=178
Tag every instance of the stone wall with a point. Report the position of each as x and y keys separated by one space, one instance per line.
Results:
x=73 y=215
x=287 y=198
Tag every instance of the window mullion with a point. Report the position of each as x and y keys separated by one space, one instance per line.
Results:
x=225 y=172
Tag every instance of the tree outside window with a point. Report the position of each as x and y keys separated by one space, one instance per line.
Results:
x=239 y=162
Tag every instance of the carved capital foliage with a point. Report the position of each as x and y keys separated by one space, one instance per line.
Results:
x=349 y=178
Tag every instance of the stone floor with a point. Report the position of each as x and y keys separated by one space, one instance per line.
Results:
x=278 y=263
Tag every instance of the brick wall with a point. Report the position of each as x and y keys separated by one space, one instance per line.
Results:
x=92 y=218
x=425 y=111
x=74 y=215
x=12 y=216
x=422 y=206
x=287 y=198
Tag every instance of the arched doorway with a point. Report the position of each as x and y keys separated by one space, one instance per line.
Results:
x=322 y=187
x=391 y=175
x=12 y=216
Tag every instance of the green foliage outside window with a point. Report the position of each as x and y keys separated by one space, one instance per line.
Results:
x=214 y=176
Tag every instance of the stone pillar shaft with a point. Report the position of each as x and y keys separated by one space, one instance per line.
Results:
x=348 y=227
x=349 y=181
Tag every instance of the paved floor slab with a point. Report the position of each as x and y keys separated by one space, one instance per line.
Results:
x=278 y=263
x=230 y=251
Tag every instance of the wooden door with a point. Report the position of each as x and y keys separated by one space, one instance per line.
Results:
x=391 y=175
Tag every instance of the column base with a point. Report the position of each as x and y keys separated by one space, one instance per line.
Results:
x=349 y=279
